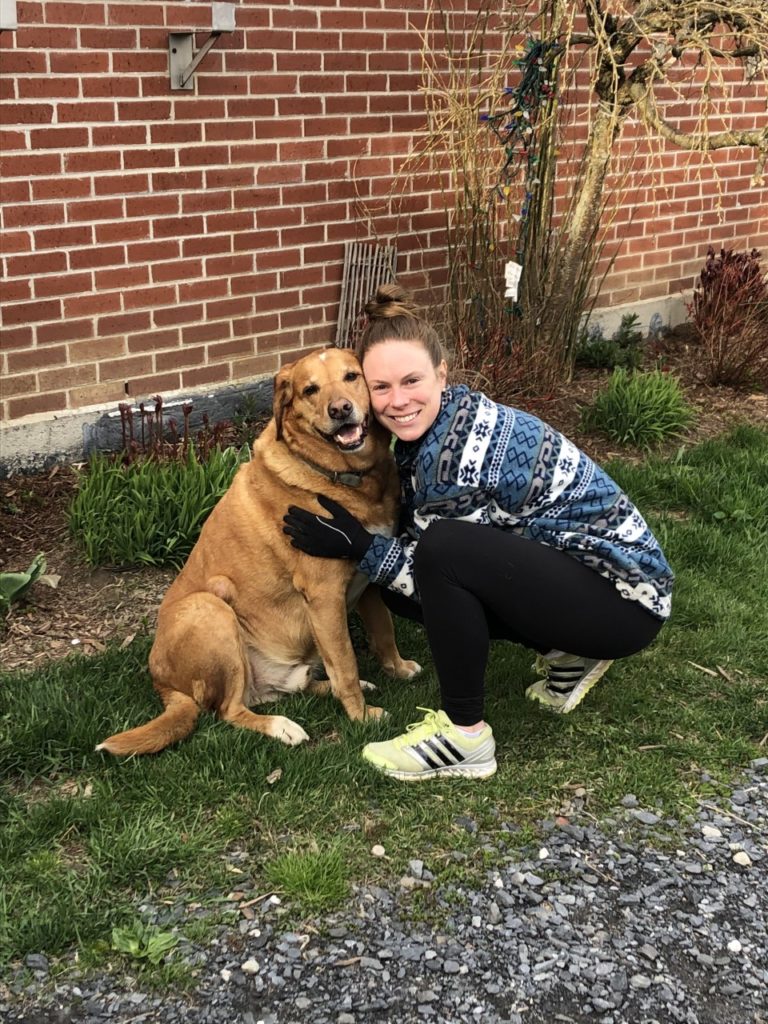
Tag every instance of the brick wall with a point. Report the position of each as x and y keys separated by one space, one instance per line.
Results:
x=156 y=240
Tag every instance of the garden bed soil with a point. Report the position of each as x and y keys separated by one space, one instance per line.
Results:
x=92 y=607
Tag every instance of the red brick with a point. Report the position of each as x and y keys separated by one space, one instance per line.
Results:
x=205 y=201
x=19 y=290
x=95 y=394
x=19 y=407
x=122 y=231
x=149 y=252
x=65 y=330
x=95 y=349
x=150 y=297
x=118 y=88
x=194 y=334
x=16 y=191
x=178 y=315
x=225 y=308
x=163 y=205
x=193 y=291
x=67 y=376
x=83 y=62
x=24 y=215
x=149 y=341
x=31 y=312
x=97 y=209
x=19 y=384
x=92 y=304
x=26 y=113
x=178 y=357
x=175 y=133
x=37 y=263
x=108 y=38
x=177 y=181
x=46 y=88
x=158 y=383
x=128 y=366
x=61 y=188
x=215 y=374
x=121 y=184
x=16 y=337
x=62 y=284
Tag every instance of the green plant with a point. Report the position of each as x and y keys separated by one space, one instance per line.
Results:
x=623 y=348
x=317 y=878
x=148 y=512
x=143 y=941
x=639 y=408
x=729 y=313
x=14 y=585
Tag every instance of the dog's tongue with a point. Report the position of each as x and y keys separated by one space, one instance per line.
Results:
x=350 y=433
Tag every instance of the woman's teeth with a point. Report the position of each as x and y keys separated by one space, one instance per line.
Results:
x=405 y=419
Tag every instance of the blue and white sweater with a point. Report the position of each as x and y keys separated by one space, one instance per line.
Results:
x=491 y=464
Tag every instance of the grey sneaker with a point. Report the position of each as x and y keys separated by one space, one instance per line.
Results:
x=569 y=679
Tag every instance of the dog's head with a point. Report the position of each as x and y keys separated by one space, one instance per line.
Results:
x=324 y=394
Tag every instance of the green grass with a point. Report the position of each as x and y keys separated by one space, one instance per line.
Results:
x=84 y=838
x=641 y=409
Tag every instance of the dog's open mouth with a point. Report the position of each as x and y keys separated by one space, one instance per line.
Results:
x=349 y=436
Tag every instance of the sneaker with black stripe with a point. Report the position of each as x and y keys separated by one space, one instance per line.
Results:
x=435 y=748
x=569 y=679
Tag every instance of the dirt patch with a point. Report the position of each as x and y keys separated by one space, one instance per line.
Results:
x=92 y=607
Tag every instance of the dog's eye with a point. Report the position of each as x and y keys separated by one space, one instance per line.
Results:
x=351 y=375
x=310 y=389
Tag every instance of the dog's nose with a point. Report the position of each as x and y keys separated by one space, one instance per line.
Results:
x=339 y=409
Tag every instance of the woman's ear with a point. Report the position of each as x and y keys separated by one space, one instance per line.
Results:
x=442 y=372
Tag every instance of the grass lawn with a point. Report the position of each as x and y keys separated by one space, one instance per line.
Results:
x=84 y=837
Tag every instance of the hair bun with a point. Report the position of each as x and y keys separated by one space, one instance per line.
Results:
x=391 y=300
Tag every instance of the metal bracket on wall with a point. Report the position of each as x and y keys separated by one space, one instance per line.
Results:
x=182 y=60
x=8 y=16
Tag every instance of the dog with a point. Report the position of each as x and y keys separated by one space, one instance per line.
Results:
x=249 y=616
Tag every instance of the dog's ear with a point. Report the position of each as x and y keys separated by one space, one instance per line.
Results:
x=283 y=396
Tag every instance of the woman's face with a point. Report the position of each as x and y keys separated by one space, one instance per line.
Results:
x=405 y=387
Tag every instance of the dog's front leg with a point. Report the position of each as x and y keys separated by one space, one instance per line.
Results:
x=328 y=618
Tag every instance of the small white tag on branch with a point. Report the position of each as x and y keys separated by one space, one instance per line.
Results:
x=512 y=272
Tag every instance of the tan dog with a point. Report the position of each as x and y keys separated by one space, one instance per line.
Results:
x=249 y=616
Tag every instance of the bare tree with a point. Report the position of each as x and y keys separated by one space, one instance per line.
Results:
x=608 y=61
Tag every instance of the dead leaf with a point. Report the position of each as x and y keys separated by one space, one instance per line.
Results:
x=724 y=674
x=50 y=579
x=128 y=641
x=274 y=776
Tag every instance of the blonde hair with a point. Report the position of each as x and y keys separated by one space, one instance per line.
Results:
x=392 y=316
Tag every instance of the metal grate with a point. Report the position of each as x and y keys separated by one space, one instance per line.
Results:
x=366 y=266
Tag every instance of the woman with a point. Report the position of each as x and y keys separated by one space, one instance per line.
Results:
x=507 y=531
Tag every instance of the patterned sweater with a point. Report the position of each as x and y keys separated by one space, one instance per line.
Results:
x=491 y=464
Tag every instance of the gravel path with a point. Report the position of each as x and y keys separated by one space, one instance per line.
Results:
x=637 y=920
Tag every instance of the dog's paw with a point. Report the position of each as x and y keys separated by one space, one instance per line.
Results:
x=408 y=669
x=288 y=732
x=374 y=712
x=365 y=685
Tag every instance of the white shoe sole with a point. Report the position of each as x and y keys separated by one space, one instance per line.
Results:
x=579 y=692
x=484 y=770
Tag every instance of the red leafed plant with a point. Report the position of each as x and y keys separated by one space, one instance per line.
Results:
x=730 y=315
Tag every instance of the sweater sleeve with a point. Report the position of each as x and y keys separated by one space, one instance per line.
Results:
x=389 y=563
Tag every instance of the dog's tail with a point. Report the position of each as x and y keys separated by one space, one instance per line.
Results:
x=177 y=721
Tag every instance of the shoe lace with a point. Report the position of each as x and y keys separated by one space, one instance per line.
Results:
x=416 y=731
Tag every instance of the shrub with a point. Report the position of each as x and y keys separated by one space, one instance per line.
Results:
x=148 y=512
x=730 y=315
x=623 y=348
x=639 y=408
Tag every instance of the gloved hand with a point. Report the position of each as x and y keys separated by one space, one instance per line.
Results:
x=341 y=536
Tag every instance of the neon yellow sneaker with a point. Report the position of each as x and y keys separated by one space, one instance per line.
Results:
x=432 y=748
x=568 y=680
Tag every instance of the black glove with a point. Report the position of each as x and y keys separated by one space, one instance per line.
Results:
x=342 y=536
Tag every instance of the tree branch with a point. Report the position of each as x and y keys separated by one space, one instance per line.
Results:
x=756 y=138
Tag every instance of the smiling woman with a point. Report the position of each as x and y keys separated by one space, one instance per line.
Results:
x=507 y=531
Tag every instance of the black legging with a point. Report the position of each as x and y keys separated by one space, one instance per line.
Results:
x=478 y=583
